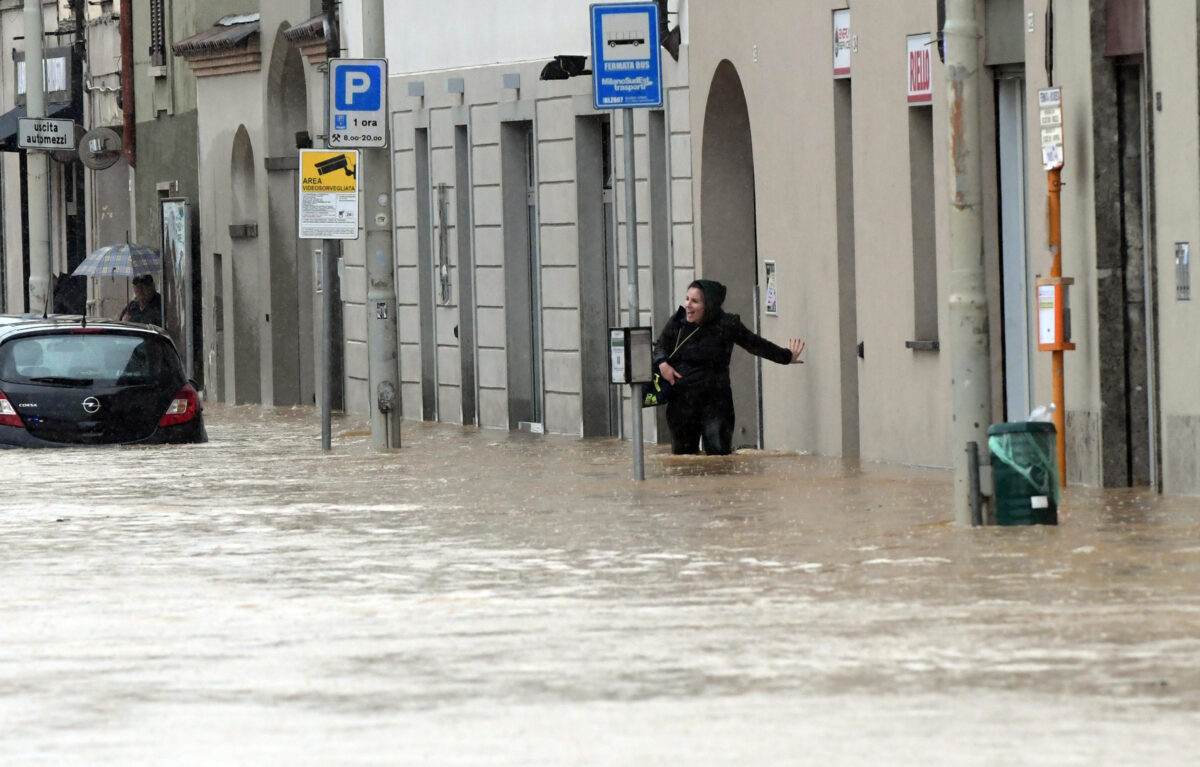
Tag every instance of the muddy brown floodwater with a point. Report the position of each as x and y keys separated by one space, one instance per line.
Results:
x=481 y=597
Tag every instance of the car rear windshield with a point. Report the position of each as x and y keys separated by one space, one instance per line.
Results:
x=100 y=359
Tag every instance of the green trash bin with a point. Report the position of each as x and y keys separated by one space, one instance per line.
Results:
x=1025 y=472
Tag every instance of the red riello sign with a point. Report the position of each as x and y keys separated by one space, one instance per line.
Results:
x=920 y=69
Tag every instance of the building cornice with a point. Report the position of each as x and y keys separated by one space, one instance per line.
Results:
x=229 y=47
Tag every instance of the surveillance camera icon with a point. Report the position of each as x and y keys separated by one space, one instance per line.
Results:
x=341 y=162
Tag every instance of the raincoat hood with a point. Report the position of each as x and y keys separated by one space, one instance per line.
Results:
x=714 y=296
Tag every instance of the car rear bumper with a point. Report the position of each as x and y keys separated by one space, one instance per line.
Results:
x=191 y=432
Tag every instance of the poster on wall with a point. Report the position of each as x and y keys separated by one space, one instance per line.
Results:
x=772 y=302
x=177 y=276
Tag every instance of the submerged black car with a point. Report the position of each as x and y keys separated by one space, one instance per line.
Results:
x=64 y=381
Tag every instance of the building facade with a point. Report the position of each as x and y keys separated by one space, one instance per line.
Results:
x=508 y=213
x=844 y=144
x=260 y=98
x=511 y=239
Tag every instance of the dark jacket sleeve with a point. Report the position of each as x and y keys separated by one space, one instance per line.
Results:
x=754 y=343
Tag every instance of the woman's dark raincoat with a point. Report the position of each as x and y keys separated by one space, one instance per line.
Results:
x=700 y=407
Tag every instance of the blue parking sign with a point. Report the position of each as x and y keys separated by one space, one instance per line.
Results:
x=626 y=61
x=359 y=87
x=358 y=103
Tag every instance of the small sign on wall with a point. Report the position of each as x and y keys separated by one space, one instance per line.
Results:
x=771 y=304
x=1183 y=268
x=841 y=43
x=920 y=70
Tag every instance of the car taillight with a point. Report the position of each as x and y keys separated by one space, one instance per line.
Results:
x=183 y=408
x=8 y=414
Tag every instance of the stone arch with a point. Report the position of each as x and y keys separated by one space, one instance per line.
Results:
x=242 y=334
x=729 y=245
x=290 y=286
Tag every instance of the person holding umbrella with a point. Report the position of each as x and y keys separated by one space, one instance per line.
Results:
x=146 y=306
x=129 y=260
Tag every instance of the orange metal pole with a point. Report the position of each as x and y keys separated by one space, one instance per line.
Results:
x=1054 y=183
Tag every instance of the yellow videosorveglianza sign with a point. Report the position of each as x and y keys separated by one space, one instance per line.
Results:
x=328 y=194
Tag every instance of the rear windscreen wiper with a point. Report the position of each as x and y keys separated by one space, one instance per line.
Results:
x=63 y=380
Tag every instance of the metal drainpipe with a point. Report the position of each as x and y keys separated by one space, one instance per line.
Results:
x=129 y=140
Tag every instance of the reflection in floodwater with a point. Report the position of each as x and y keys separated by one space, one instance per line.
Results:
x=481 y=597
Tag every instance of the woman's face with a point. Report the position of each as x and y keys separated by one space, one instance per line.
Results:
x=693 y=305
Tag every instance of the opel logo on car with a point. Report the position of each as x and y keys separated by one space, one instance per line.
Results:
x=91 y=405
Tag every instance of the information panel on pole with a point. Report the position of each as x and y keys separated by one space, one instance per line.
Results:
x=626 y=60
x=328 y=194
x=1050 y=117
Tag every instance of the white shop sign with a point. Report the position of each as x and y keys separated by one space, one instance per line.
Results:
x=841 y=43
x=920 y=69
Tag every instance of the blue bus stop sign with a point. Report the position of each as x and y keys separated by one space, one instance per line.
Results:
x=626 y=60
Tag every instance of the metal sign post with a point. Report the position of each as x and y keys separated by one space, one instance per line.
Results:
x=627 y=73
x=329 y=212
x=1054 y=331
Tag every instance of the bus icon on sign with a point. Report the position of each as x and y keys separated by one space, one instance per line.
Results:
x=626 y=38
x=626 y=34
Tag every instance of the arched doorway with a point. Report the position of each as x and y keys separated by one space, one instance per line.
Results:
x=729 y=247
x=241 y=278
x=290 y=266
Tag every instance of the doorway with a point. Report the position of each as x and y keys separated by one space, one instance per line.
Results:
x=292 y=294
x=601 y=401
x=1124 y=288
x=463 y=235
x=729 y=252
x=242 y=342
x=215 y=375
x=522 y=276
x=848 y=345
x=1016 y=277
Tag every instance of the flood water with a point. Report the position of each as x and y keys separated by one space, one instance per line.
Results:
x=480 y=597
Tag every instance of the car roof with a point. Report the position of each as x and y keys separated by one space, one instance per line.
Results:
x=13 y=325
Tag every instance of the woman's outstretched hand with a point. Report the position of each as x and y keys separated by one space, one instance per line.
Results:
x=797 y=347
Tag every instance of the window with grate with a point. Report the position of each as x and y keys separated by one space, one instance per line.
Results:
x=158 y=34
